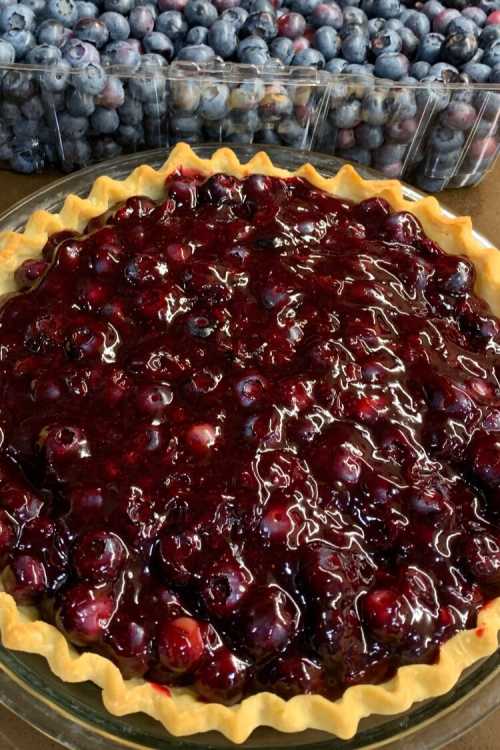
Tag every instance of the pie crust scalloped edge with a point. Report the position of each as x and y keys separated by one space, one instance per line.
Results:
x=181 y=713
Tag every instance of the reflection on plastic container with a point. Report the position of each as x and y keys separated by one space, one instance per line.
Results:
x=436 y=135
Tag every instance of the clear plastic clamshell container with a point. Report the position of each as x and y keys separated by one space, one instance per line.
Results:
x=434 y=135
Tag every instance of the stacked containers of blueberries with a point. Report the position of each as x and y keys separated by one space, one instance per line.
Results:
x=409 y=88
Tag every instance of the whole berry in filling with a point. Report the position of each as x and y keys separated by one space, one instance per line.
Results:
x=251 y=435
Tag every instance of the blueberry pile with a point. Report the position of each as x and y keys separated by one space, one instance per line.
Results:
x=106 y=83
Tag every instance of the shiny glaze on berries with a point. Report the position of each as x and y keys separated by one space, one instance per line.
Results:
x=251 y=439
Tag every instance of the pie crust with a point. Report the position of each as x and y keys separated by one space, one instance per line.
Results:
x=177 y=708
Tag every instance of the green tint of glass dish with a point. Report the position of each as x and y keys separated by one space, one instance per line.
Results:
x=73 y=714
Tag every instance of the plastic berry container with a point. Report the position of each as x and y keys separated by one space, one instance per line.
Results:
x=434 y=135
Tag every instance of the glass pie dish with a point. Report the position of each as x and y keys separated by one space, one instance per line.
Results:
x=78 y=704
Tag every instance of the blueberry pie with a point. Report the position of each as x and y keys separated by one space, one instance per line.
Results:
x=250 y=445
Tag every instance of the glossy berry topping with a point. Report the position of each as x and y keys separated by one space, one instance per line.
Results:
x=251 y=438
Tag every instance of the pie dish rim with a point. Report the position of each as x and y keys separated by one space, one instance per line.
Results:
x=182 y=714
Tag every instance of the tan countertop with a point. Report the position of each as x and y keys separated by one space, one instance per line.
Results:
x=483 y=204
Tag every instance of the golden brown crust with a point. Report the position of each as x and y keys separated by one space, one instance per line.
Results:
x=181 y=713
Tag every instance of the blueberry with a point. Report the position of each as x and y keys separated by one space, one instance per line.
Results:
x=429 y=48
x=117 y=26
x=17 y=18
x=247 y=120
x=376 y=107
x=151 y=62
x=236 y=16
x=130 y=136
x=64 y=11
x=369 y=136
x=104 y=120
x=200 y=13
x=458 y=115
x=495 y=74
x=386 y=41
x=327 y=42
x=147 y=86
x=198 y=35
x=93 y=31
x=73 y=127
x=282 y=49
x=309 y=57
x=268 y=136
x=444 y=72
x=254 y=6
x=156 y=108
x=356 y=154
x=253 y=50
x=55 y=79
x=305 y=7
x=185 y=125
x=121 y=53
x=355 y=46
x=353 y=17
x=459 y=48
x=80 y=54
x=27 y=158
x=389 y=153
x=489 y=35
x=336 y=66
x=418 y=23
x=386 y=8
x=10 y=112
x=78 y=104
x=106 y=148
x=22 y=41
x=75 y=154
x=51 y=31
x=375 y=26
x=327 y=14
x=492 y=55
x=172 y=24
x=445 y=139
x=462 y=25
x=394 y=24
x=441 y=22
x=488 y=104
x=477 y=72
x=131 y=112
x=7 y=53
x=222 y=38
x=404 y=105
x=432 y=8
x=198 y=53
x=401 y=131
x=365 y=71
x=119 y=6
x=44 y=54
x=86 y=9
x=113 y=94
x=33 y=109
x=391 y=65
x=409 y=41
x=159 y=43
x=214 y=101
x=141 y=20
x=37 y=6
x=275 y=105
x=476 y=15
x=247 y=95
x=347 y=115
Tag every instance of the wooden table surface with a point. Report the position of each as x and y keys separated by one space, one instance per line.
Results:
x=482 y=203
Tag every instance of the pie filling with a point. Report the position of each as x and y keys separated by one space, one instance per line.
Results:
x=250 y=439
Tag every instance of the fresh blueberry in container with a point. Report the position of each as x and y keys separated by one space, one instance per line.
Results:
x=310 y=58
x=418 y=23
x=327 y=41
x=459 y=48
x=117 y=25
x=489 y=35
x=86 y=9
x=130 y=136
x=369 y=136
x=7 y=53
x=392 y=65
x=37 y=6
x=119 y=6
x=214 y=101
x=157 y=108
x=198 y=53
x=22 y=41
x=305 y=7
x=247 y=96
x=200 y=13
x=327 y=14
x=409 y=41
x=141 y=20
x=386 y=41
x=197 y=35
x=149 y=85
x=275 y=105
x=495 y=74
x=64 y=11
x=386 y=8
x=33 y=109
x=394 y=24
x=55 y=80
x=357 y=69
x=113 y=94
x=185 y=95
x=107 y=148
x=347 y=115
x=78 y=104
x=253 y=50
x=261 y=24
x=463 y=25
x=26 y=128
x=9 y=111
x=131 y=111
x=356 y=154
x=336 y=66
x=90 y=79
x=353 y=17
x=121 y=53
x=27 y=157
x=282 y=49
x=73 y=127
x=247 y=120
x=445 y=72
x=429 y=48
x=17 y=18
x=355 y=46
x=477 y=72
x=254 y=6
x=488 y=104
x=441 y=22
x=236 y=17
x=44 y=54
x=222 y=38
x=159 y=43
x=432 y=8
x=51 y=31
x=492 y=55
x=446 y=139
x=185 y=124
x=268 y=136
x=375 y=26
x=173 y=25
x=401 y=131
x=104 y=120
x=475 y=14
x=92 y=30
x=376 y=107
x=79 y=54
x=390 y=153
x=458 y=116
x=75 y=154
